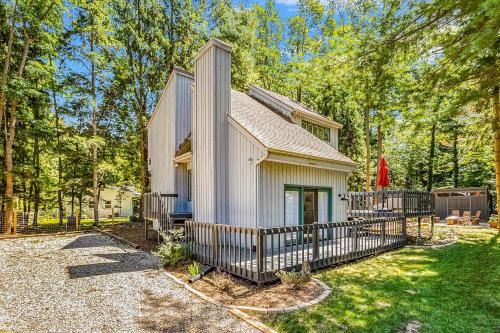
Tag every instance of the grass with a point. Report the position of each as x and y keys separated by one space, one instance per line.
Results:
x=84 y=222
x=451 y=289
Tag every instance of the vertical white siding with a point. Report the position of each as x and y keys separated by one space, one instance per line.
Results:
x=334 y=132
x=170 y=125
x=210 y=133
x=161 y=141
x=242 y=181
x=183 y=100
x=272 y=180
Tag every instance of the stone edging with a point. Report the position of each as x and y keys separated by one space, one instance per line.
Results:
x=431 y=246
x=326 y=292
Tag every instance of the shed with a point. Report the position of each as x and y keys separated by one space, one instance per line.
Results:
x=469 y=198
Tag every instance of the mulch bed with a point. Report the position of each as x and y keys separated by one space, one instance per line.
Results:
x=133 y=232
x=231 y=290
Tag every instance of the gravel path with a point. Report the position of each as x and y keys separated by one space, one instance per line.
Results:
x=92 y=283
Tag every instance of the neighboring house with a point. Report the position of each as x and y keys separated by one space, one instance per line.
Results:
x=112 y=200
x=256 y=159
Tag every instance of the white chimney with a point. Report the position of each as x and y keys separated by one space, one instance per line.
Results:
x=211 y=105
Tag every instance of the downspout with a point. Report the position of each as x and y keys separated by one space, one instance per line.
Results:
x=257 y=177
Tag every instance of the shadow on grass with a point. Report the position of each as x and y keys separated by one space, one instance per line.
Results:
x=452 y=289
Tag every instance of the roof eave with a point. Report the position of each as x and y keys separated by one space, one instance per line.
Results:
x=279 y=155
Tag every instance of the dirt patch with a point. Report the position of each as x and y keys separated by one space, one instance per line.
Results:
x=133 y=232
x=231 y=290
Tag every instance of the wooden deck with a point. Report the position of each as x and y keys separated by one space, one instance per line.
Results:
x=257 y=253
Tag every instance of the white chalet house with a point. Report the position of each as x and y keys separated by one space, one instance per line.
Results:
x=255 y=159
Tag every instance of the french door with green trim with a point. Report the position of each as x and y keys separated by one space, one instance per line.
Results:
x=306 y=205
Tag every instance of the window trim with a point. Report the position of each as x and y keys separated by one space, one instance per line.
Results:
x=314 y=128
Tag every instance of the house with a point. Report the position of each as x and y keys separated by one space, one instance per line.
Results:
x=115 y=201
x=254 y=159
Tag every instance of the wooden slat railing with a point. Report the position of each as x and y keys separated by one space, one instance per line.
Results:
x=257 y=253
x=158 y=206
x=390 y=204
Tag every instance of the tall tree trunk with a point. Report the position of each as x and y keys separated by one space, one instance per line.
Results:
x=58 y=151
x=380 y=138
x=432 y=149
x=9 y=146
x=367 y=140
x=456 y=170
x=6 y=64
x=94 y=133
x=496 y=129
x=36 y=165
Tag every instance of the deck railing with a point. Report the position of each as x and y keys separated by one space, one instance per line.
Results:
x=157 y=208
x=390 y=204
x=257 y=253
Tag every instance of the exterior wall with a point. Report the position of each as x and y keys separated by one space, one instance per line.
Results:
x=334 y=132
x=210 y=132
x=170 y=125
x=161 y=142
x=274 y=176
x=242 y=181
x=182 y=127
x=118 y=199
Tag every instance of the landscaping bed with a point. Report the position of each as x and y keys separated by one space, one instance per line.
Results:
x=133 y=232
x=231 y=290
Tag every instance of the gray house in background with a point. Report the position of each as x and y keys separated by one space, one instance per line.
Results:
x=255 y=159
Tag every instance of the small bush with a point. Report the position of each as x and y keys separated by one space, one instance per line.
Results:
x=194 y=269
x=222 y=280
x=173 y=250
x=295 y=279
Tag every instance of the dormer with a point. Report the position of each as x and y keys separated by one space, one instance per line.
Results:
x=320 y=126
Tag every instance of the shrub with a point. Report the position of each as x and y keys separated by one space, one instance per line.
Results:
x=222 y=280
x=173 y=250
x=294 y=279
x=194 y=268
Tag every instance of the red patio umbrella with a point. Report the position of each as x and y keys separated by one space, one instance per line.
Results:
x=383 y=174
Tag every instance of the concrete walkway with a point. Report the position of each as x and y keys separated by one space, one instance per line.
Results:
x=92 y=283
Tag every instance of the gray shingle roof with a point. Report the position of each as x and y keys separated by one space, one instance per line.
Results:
x=276 y=132
x=297 y=107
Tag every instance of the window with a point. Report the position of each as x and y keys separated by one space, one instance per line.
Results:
x=107 y=203
x=189 y=182
x=318 y=131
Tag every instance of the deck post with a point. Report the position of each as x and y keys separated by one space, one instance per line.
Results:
x=215 y=249
x=259 y=254
x=315 y=241
x=383 y=232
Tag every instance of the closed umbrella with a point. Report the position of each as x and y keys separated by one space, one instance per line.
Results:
x=383 y=174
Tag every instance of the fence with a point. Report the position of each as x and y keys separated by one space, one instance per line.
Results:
x=30 y=222
x=257 y=253
x=157 y=208
x=390 y=204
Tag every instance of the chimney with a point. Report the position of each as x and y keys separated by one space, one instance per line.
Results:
x=211 y=105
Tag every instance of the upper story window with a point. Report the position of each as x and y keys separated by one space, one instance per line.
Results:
x=318 y=131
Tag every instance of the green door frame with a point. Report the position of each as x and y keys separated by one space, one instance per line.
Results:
x=300 y=189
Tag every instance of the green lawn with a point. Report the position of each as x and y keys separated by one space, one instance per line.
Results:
x=452 y=289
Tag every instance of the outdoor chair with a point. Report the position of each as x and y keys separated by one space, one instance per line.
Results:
x=475 y=218
x=454 y=218
x=466 y=218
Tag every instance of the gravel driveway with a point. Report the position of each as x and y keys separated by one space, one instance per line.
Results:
x=92 y=283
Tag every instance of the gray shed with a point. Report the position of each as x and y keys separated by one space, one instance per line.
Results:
x=469 y=198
